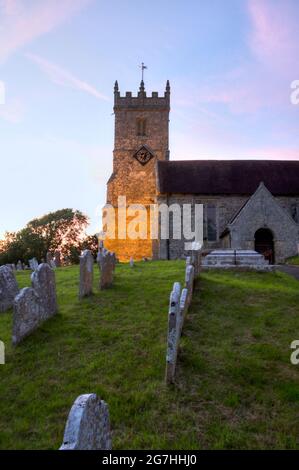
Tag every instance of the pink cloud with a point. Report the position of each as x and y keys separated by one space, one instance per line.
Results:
x=273 y=153
x=274 y=36
x=63 y=77
x=22 y=21
x=262 y=78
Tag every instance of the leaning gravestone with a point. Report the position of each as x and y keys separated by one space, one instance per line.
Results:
x=107 y=269
x=8 y=288
x=86 y=274
x=88 y=425
x=33 y=305
x=174 y=329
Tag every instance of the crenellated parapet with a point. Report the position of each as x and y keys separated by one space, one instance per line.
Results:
x=142 y=100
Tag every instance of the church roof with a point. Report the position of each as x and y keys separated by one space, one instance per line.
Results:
x=228 y=176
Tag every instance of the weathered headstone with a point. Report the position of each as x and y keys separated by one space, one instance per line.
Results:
x=131 y=262
x=183 y=308
x=86 y=274
x=50 y=260
x=88 y=425
x=8 y=288
x=19 y=265
x=173 y=332
x=107 y=269
x=2 y=352
x=43 y=282
x=99 y=258
x=33 y=305
x=57 y=259
x=189 y=280
x=33 y=263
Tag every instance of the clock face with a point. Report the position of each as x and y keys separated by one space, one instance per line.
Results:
x=143 y=155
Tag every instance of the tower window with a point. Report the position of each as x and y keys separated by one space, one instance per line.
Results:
x=141 y=127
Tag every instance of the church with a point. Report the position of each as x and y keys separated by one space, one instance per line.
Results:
x=247 y=204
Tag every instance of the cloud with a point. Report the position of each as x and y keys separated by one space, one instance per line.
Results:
x=22 y=21
x=261 y=80
x=273 y=39
x=63 y=77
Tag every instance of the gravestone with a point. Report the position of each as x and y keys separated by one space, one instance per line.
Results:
x=107 y=269
x=189 y=280
x=99 y=258
x=2 y=353
x=131 y=262
x=8 y=288
x=86 y=274
x=33 y=305
x=57 y=259
x=19 y=266
x=33 y=263
x=51 y=261
x=183 y=308
x=173 y=332
x=43 y=282
x=88 y=425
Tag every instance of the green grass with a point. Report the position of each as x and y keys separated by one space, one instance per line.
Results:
x=236 y=387
x=294 y=260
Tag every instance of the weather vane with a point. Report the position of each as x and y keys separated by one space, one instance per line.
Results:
x=143 y=67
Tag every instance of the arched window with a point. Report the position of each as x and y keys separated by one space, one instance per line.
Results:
x=295 y=212
x=210 y=222
x=141 y=127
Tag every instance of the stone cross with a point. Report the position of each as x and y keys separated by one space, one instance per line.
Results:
x=88 y=425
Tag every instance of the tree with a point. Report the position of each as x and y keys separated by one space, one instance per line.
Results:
x=63 y=230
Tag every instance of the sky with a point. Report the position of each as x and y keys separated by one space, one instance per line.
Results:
x=230 y=66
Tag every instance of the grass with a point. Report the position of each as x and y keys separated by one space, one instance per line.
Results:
x=294 y=260
x=236 y=387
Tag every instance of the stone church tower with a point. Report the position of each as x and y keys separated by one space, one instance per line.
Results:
x=141 y=139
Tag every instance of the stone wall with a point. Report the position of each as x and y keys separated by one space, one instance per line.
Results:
x=226 y=208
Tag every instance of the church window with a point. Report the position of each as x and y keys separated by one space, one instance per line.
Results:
x=210 y=224
x=141 y=127
x=295 y=212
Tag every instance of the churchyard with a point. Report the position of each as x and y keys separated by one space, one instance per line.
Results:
x=234 y=385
